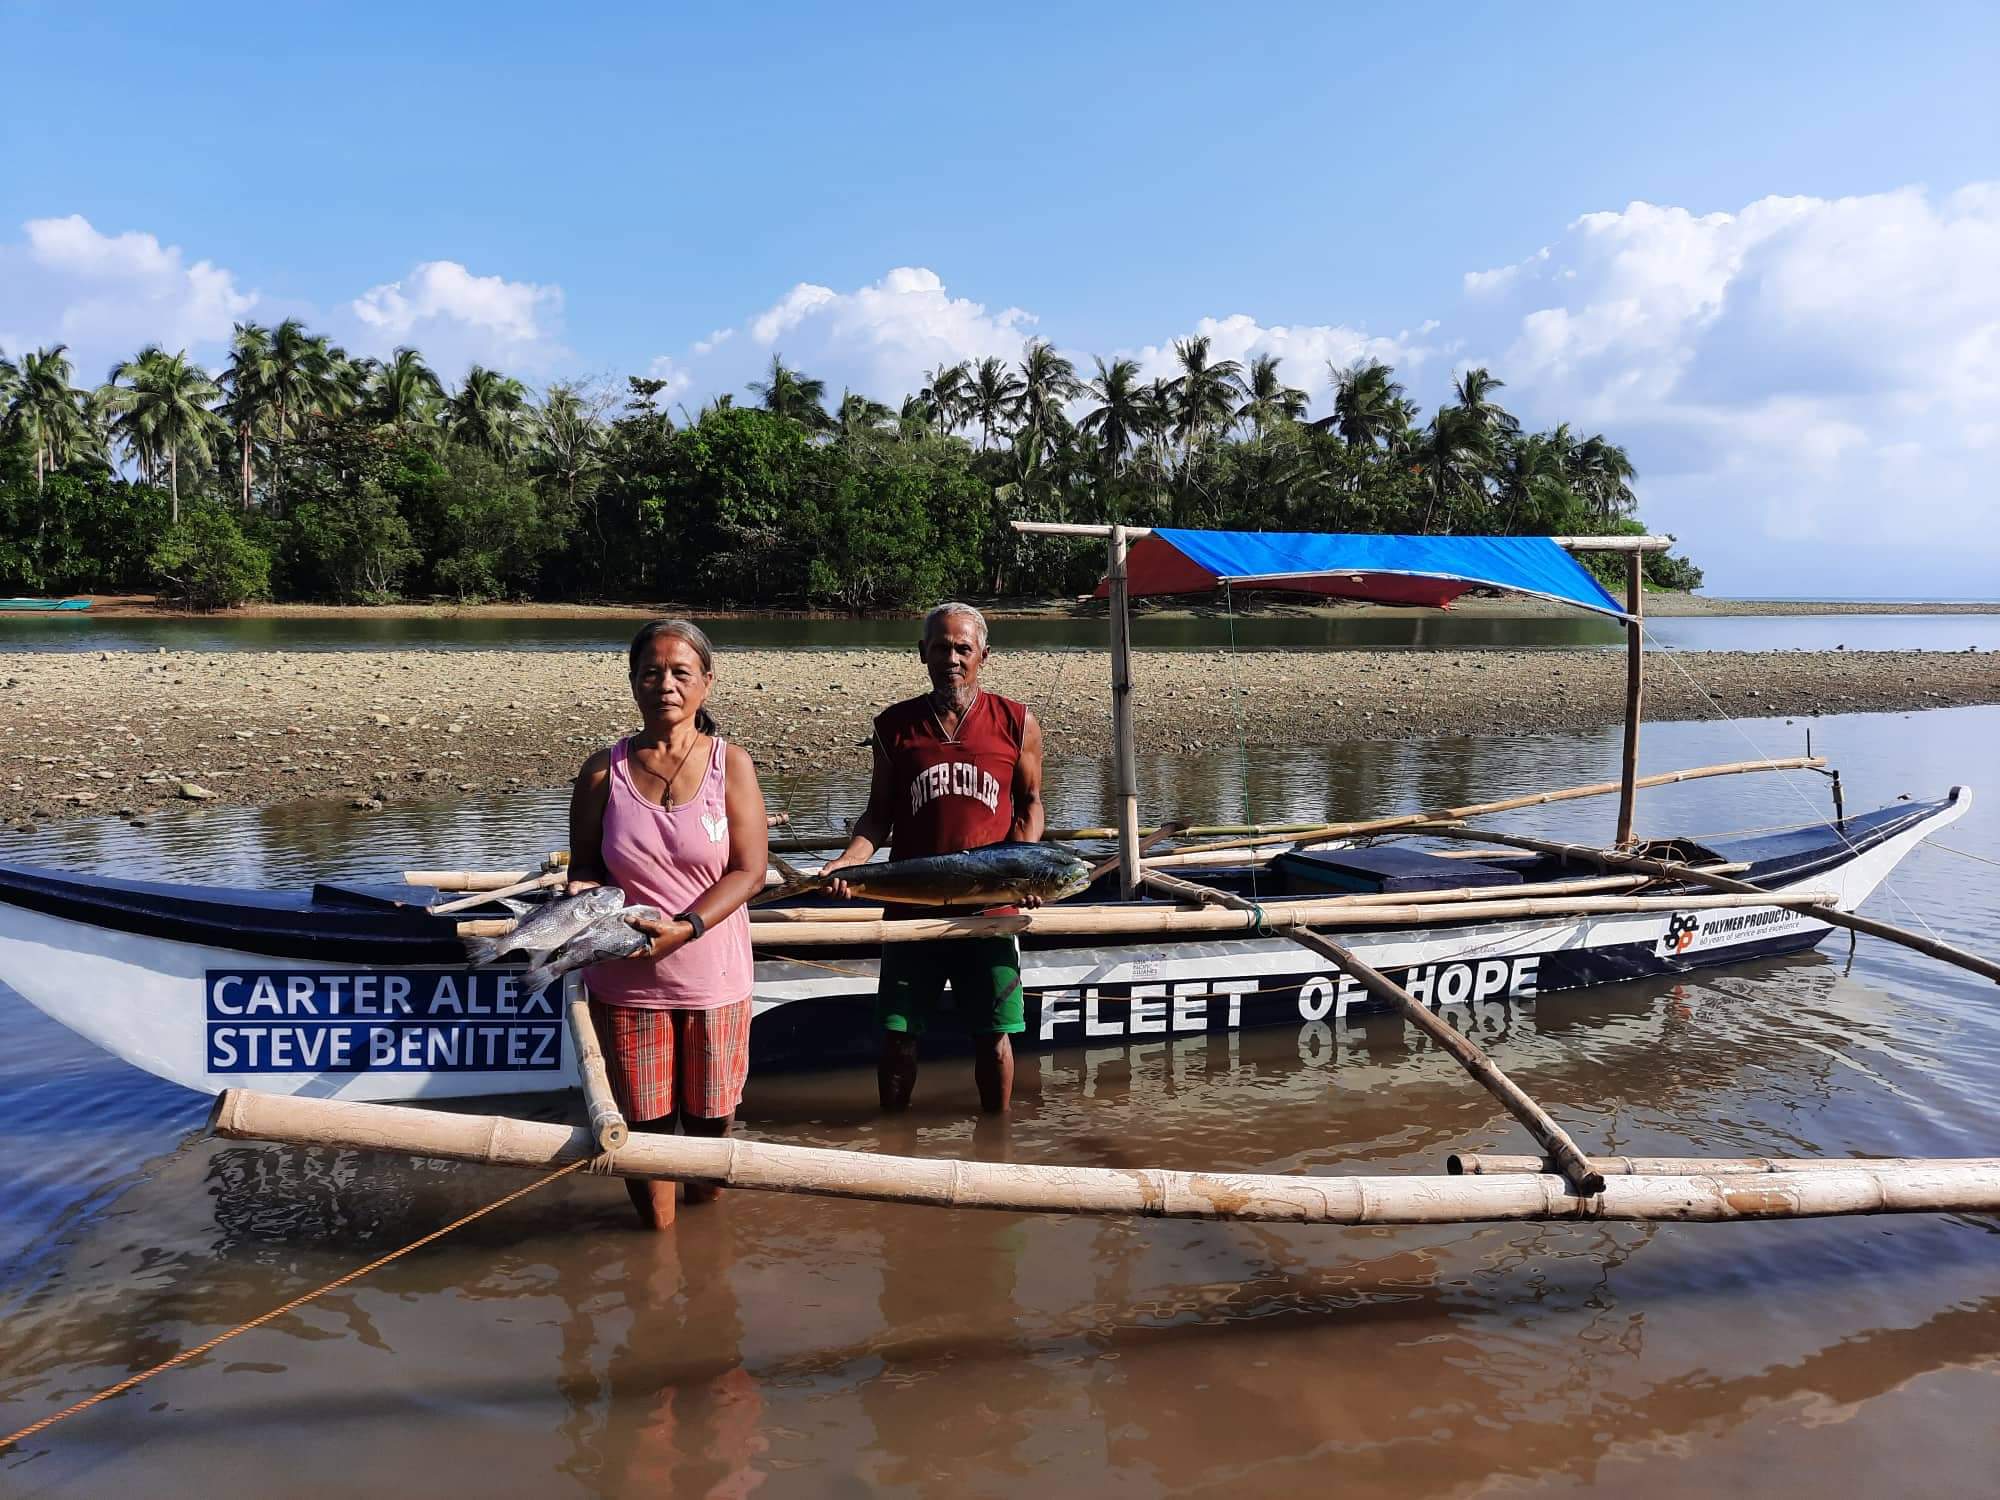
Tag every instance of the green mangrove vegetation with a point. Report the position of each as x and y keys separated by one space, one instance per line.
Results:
x=299 y=472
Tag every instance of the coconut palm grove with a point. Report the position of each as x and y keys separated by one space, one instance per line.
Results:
x=299 y=472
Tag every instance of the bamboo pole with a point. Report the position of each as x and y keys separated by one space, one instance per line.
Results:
x=481 y=898
x=1568 y=1156
x=1141 y=920
x=1635 y=609
x=809 y=843
x=243 y=1115
x=1302 y=905
x=1124 y=753
x=1513 y=804
x=1828 y=913
x=1488 y=1164
x=607 y=1122
x=1570 y=543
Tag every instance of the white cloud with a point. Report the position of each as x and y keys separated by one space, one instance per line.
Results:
x=457 y=318
x=105 y=295
x=1817 y=371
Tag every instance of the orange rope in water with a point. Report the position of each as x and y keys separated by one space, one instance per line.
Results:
x=199 y=1349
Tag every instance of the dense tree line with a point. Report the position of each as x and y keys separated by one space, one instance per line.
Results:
x=299 y=472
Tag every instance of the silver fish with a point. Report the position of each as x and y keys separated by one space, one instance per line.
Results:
x=547 y=930
x=991 y=876
x=611 y=936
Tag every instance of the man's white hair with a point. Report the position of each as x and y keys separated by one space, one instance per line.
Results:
x=952 y=607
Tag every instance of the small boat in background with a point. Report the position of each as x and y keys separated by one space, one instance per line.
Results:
x=42 y=606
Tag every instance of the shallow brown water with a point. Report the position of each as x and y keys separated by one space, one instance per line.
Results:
x=783 y=1346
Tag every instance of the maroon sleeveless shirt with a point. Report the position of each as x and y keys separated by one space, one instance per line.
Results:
x=951 y=793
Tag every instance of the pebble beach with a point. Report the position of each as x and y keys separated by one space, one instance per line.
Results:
x=126 y=733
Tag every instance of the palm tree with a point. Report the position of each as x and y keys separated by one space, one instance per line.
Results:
x=1205 y=394
x=946 y=394
x=1474 y=390
x=791 y=393
x=46 y=411
x=1369 y=409
x=1048 y=383
x=566 y=440
x=250 y=402
x=405 y=389
x=485 y=413
x=1601 y=473
x=304 y=378
x=1121 y=418
x=994 y=398
x=163 y=407
x=860 y=417
x=1271 y=400
x=914 y=419
x=1455 y=455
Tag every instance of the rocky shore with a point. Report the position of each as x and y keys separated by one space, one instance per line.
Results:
x=123 y=733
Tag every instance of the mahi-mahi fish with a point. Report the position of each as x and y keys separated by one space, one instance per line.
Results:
x=611 y=936
x=549 y=928
x=995 y=875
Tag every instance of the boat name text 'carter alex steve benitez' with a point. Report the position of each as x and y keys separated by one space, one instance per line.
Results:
x=364 y=992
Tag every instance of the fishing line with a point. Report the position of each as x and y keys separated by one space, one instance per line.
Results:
x=185 y=1355
x=1784 y=777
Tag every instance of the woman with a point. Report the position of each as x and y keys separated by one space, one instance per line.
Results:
x=674 y=816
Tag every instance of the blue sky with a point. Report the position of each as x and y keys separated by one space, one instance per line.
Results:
x=1764 y=226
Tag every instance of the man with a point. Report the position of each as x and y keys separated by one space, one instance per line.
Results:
x=915 y=811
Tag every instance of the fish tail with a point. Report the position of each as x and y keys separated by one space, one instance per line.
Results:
x=484 y=951
x=796 y=882
x=534 y=980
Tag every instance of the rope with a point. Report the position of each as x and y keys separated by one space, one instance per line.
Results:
x=199 y=1349
x=1961 y=853
x=1790 y=785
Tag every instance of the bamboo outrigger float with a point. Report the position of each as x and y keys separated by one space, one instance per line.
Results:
x=1238 y=935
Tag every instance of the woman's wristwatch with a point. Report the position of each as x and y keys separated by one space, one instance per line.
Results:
x=693 y=919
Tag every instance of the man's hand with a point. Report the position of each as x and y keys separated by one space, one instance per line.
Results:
x=840 y=888
x=666 y=936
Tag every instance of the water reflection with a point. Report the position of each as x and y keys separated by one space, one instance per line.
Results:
x=1425 y=630
x=794 y=1346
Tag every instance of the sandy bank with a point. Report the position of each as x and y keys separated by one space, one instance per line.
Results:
x=121 y=733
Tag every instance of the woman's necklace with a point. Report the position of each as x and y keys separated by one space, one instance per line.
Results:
x=667 y=794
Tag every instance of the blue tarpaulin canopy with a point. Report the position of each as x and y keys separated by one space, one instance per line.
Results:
x=1427 y=570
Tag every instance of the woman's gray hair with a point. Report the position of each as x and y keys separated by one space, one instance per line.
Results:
x=952 y=607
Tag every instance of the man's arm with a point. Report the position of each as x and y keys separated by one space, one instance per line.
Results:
x=1029 y=815
x=871 y=830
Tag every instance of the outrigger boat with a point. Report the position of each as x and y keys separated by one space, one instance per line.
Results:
x=42 y=606
x=363 y=992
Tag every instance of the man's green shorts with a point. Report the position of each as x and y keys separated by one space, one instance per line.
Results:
x=984 y=975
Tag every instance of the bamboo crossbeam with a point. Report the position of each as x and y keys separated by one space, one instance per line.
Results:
x=1143 y=920
x=810 y=843
x=1564 y=1151
x=1569 y=543
x=607 y=1122
x=1665 y=870
x=1303 y=905
x=1489 y=1164
x=481 y=898
x=1514 y=804
x=244 y=1115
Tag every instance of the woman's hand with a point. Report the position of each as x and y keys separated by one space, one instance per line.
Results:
x=578 y=887
x=666 y=936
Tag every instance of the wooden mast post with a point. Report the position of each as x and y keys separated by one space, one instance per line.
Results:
x=1123 y=751
x=1635 y=633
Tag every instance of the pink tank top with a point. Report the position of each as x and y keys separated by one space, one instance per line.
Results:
x=669 y=857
